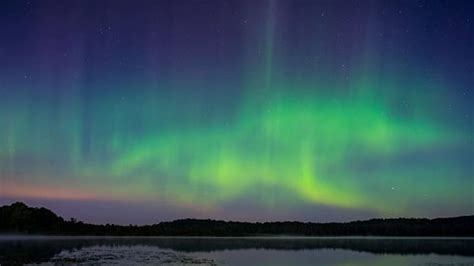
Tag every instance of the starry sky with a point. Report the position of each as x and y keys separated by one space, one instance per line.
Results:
x=142 y=111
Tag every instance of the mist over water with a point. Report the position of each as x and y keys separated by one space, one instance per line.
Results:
x=236 y=251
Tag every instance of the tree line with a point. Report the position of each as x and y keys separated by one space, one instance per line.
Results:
x=19 y=218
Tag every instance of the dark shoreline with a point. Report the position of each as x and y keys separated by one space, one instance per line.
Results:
x=19 y=219
x=28 y=237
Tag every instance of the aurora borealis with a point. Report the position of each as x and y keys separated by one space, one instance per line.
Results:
x=243 y=110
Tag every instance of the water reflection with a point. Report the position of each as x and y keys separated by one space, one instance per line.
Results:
x=236 y=251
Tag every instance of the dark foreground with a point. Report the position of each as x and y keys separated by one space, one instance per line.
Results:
x=21 y=219
x=55 y=250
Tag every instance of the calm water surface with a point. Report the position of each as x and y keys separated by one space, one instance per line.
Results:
x=17 y=250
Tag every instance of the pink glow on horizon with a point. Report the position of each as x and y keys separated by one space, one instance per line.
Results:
x=18 y=190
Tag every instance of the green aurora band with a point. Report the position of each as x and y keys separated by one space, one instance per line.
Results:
x=377 y=140
x=304 y=144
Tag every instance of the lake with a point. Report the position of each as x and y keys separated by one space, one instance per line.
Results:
x=16 y=250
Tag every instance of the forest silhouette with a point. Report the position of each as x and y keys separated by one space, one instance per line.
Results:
x=18 y=218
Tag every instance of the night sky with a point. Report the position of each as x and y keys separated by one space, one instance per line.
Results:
x=261 y=110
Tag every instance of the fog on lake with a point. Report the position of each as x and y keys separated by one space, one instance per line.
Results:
x=17 y=250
